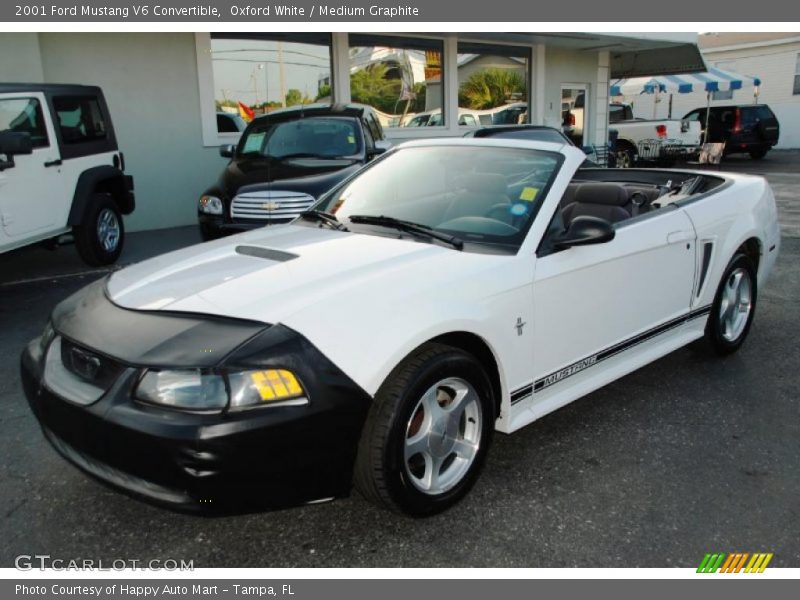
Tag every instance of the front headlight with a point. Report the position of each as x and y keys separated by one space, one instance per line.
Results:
x=210 y=205
x=199 y=390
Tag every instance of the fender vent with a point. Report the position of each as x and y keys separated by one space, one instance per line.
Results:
x=707 y=247
x=265 y=253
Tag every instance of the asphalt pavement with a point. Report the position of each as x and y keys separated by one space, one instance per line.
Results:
x=691 y=454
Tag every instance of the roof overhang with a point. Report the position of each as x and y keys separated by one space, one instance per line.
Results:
x=632 y=54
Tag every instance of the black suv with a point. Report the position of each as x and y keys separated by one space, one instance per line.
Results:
x=284 y=161
x=750 y=128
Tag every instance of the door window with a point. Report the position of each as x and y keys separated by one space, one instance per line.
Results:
x=24 y=115
x=79 y=119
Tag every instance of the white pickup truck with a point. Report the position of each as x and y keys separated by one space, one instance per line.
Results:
x=661 y=140
x=638 y=140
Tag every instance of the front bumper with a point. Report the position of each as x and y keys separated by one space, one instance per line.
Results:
x=261 y=458
x=216 y=225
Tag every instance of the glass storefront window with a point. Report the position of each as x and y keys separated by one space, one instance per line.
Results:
x=258 y=73
x=400 y=78
x=492 y=84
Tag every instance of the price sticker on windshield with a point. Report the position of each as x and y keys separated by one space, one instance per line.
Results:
x=529 y=194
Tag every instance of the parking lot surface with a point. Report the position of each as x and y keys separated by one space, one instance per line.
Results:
x=689 y=455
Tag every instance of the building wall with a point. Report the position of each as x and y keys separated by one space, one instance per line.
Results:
x=564 y=66
x=26 y=66
x=773 y=64
x=150 y=83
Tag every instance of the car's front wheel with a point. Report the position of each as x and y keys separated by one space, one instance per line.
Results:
x=100 y=235
x=427 y=433
x=734 y=306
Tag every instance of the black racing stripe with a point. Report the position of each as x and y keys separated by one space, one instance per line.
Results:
x=590 y=361
x=521 y=393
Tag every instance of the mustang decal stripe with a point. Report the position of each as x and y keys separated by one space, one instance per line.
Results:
x=590 y=361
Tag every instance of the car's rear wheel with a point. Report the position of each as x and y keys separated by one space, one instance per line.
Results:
x=758 y=154
x=734 y=306
x=100 y=236
x=427 y=433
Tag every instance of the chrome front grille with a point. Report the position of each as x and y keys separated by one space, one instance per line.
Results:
x=270 y=205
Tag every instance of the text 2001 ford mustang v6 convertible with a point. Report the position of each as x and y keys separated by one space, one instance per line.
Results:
x=450 y=288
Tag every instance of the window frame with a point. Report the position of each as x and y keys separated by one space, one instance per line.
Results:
x=41 y=113
x=340 y=84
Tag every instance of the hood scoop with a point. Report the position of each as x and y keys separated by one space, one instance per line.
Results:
x=266 y=253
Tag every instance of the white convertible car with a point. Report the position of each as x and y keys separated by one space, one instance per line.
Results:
x=448 y=289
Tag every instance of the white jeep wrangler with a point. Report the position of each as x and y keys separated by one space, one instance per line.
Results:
x=61 y=171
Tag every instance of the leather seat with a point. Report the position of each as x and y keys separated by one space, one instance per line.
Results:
x=603 y=200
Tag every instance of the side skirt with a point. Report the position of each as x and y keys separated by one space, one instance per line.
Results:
x=546 y=394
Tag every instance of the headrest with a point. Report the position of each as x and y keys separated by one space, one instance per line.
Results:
x=609 y=194
x=485 y=183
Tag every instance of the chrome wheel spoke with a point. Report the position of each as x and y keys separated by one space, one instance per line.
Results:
x=465 y=449
x=430 y=480
x=443 y=436
x=735 y=305
x=418 y=444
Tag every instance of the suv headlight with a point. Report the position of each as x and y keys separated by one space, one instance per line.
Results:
x=210 y=205
x=202 y=390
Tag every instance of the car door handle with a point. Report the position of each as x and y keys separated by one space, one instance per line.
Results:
x=676 y=237
x=53 y=163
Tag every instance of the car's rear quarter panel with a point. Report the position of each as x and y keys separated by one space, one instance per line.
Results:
x=741 y=209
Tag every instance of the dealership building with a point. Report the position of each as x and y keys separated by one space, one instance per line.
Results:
x=168 y=92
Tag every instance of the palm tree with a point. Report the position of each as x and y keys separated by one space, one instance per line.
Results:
x=490 y=88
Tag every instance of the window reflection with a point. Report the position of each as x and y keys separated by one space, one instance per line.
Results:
x=492 y=84
x=400 y=78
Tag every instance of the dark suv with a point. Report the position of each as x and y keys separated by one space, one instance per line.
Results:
x=284 y=161
x=750 y=128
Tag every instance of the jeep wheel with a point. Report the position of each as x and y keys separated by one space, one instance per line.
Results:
x=100 y=236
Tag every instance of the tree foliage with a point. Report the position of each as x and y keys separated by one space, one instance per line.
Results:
x=490 y=88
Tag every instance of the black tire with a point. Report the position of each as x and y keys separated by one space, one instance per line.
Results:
x=720 y=342
x=382 y=473
x=209 y=233
x=94 y=237
x=758 y=154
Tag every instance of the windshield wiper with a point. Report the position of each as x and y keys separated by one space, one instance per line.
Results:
x=323 y=217
x=409 y=227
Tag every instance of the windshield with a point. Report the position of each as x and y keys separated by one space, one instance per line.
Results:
x=481 y=194
x=317 y=137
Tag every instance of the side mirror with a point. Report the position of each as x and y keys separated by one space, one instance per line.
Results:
x=13 y=143
x=585 y=230
x=227 y=150
x=375 y=151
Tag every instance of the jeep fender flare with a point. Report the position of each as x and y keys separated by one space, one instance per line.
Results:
x=105 y=178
